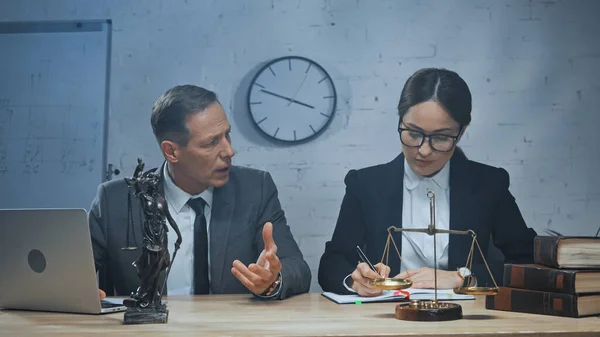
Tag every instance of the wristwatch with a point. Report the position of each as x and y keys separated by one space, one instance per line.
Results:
x=273 y=287
x=463 y=272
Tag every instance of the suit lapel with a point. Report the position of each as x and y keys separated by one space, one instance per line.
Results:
x=395 y=194
x=220 y=223
x=461 y=196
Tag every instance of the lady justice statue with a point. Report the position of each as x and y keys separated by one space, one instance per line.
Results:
x=145 y=304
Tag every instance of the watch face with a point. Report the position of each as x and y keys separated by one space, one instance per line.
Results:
x=292 y=99
x=464 y=271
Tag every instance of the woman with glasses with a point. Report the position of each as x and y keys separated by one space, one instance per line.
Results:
x=434 y=111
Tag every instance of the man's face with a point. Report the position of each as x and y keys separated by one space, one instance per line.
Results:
x=206 y=159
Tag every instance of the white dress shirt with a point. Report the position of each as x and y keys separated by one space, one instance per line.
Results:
x=417 y=248
x=181 y=277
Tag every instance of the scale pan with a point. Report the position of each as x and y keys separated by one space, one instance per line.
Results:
x=476 y=290
x=391 y=283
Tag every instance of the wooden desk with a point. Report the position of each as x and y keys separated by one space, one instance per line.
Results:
x=305 y=315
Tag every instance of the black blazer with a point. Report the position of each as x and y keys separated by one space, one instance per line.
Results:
x=479 y=200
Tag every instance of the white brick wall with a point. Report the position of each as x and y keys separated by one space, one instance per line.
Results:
x=533 y=67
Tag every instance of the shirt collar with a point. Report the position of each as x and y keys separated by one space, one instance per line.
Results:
x=178 y=198
x=412 y=180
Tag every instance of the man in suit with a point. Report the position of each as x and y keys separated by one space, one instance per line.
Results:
x=235 y=236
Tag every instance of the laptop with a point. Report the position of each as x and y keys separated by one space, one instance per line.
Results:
x=47 y=264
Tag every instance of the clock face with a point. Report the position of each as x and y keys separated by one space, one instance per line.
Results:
x=292 y=99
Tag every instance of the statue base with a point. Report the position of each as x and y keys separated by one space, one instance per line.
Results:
x=136 y=314
x=429 y=311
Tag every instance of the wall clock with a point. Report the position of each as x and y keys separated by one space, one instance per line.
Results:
x=292 y=99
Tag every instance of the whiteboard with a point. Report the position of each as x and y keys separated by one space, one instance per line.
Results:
x=53 y=112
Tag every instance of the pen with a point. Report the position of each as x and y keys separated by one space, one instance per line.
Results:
x=364 y=259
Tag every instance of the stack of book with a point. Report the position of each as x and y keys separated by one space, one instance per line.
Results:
x=564 y=281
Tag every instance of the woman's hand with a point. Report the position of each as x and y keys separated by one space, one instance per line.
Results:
x=363 y=274
x=424 y=278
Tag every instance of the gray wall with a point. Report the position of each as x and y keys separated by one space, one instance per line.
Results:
x=533 y=67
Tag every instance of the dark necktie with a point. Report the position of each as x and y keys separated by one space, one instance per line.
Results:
x=201 y=285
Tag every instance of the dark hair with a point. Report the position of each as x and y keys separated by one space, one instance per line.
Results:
x=171 y=109
x=442 y=86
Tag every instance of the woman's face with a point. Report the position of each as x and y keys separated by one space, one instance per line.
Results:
x=432 y=120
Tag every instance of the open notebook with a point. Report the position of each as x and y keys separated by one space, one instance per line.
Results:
x=399 y=295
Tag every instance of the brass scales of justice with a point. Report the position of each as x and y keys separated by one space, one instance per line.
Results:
x=432 y=310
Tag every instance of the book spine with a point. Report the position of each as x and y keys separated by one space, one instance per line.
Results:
x=533 y=302
x=546 y=250
x=542 y=279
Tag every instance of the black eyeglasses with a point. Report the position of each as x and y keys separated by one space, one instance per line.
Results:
x=438 y=142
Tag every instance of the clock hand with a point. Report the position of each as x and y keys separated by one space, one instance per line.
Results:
x=287 y=98
x=300 y=87
x=276 y=95
x=304 y=104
